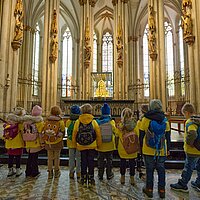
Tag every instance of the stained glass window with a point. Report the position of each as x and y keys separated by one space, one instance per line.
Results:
x=182 y=69
x=169 y=57
x=36 y=57
x=107 y=53
x=146 y=61
x=67 y=64
x=94 y=52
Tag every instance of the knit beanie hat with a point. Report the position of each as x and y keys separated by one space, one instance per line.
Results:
x=105 y=109
x=75 y=110
x=36 y=111
x=19 y=111
x=155 y=104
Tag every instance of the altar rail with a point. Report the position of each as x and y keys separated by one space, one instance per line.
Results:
x=116 y=106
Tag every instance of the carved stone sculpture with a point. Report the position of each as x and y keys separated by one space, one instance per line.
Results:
x=18 y=33
x=54 y=38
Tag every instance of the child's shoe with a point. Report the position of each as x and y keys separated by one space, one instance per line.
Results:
x=18 y=172
x=122 y=179
x=78 y=175
x=57 y=173
x=161 y=193
x=194 y=185
x=36 y=175
x=84 y=180
x=132 y=180
x=50 y=174
x=148 y=192
x=11 y=172
x=110 y=176
x=91 y=181
x=71 y=175
x=179 y=187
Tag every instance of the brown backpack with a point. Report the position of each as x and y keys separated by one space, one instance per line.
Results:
x=130 y=142
x=51 y=130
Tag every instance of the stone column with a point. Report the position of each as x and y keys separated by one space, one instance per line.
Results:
x=86 y=46
x=9 y=57
x=121 y=63
x=50 y=55
x=194 y=55
x=5 y=18
x=157 y=51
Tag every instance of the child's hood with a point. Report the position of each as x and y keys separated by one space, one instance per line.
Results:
x=54 y=118
x=196 y=120
x=129 y=125
x=33 y=119
x=16 y=118
x=86 y=118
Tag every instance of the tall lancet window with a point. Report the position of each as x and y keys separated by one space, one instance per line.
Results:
x=36 y=60
x=67 y=64
x=182 y=63
x=107 y=53
x=169 y=57
x=94 y=52
x=146 y=61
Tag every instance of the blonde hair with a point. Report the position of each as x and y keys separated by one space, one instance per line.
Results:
x=55 y=110
x=188 y=107
x=86 y=108
x=126 y=115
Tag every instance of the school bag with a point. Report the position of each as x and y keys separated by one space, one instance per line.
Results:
x=51 y=130
x=130 y=142
x=155 y=136
x=10 y=131
x=30 y=132
x=70 y=129
x=86 y=134
x=106 y=132
x=197 y=140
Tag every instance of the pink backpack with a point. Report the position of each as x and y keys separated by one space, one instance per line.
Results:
x=130 y=142
x=30 y=132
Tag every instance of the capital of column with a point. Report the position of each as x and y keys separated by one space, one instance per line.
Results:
x=125 y=1
x=92 y=2
x=82 y=2
x=114 y=2
x=132 y=38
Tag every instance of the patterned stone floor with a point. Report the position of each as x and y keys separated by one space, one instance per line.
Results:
x=63 y=188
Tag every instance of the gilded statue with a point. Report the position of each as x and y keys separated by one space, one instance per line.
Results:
x=101 y=91
x=119 y=50
x=87 y=47
x=54 y=38
x=152 y=42
x=87 y=52
x=54 y=25
x=18 y=35
x=187 y=24
x=54 y=45
x=151 y=20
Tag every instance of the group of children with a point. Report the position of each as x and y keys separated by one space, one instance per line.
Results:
x=149 y=136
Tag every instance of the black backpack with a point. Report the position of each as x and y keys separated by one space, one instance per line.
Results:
x=86 y=134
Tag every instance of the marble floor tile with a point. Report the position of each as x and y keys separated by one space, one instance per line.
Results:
x=63 y=188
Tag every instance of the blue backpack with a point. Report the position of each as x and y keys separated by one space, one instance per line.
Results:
x=197 y=140
x=155 y=136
